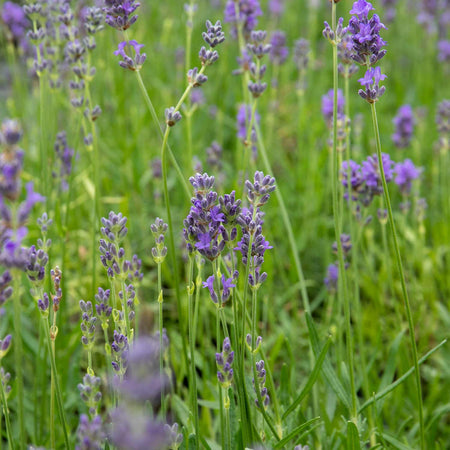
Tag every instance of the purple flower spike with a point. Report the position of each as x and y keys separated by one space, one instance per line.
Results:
x=406 y=173
x=249 y=10
x=278 y=51
x=134 y=64
x=331 y=280
x=404 y=126
x=119 y=13
x=90 y=433
x=327 y=106
x=5 y=344
x=367 y=43
x=370 y=81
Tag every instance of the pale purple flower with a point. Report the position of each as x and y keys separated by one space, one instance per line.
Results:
x=279 y=51
x=404 y=126
x=249 y=10
x=327 y=105
x=406 y=172
x=444 y=51
x=370 y=82
x=131 y=62
x=331 y=280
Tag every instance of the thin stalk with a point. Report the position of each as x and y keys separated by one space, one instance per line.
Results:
x=52 y=404
x=227 y=418
x=193 y=381
x=18 y=355
x=59 y=401
x=343 y=294
x=402 y=276
x=222 y=418
x=7 y=420
x=161 y=349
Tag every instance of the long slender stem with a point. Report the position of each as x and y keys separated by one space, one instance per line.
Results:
x=18 y=355
x=52 y=403
x=6 y=414
x=59 y=401
x=343 y=294
x=402 y=277
x=161 y=348
x=193 y=381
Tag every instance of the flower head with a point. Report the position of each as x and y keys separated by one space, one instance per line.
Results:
x=406 y=172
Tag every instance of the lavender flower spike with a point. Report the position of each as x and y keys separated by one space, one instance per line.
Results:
x=406 y=173
x=404 y=126
x=134 y=64
x=370 y=82
x=119 y=13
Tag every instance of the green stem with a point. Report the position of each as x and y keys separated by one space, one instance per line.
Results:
x=402 y=276
x=52 y=403
x=193 y=381
x=7 y=420
x=343 y=294
x=59 y=401
x=18 y=355
x=222 y=418
x=161 y=344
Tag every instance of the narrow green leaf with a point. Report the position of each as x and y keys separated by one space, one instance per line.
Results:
x=294 y=433
x=311 y=379
x=396 y=383
x=395 y=442
x=352 y=437
x=327 y=368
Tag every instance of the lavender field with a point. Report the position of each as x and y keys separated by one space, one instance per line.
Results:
x=224 y=224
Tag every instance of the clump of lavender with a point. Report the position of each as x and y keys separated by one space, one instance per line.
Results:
x=279 y=52
x=224 y=361
x=404 y=126
x=242 y=14
x=175 y=438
